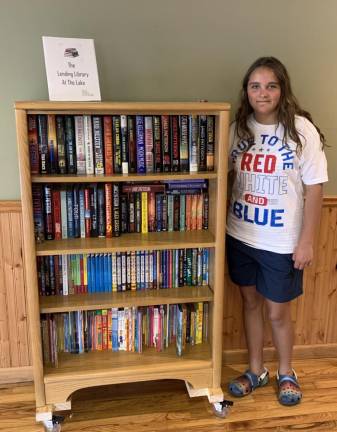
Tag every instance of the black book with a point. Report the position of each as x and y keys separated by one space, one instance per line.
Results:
x=61 y=146
x=70 y=144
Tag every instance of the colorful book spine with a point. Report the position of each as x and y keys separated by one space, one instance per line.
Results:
x=148 y=134
x=175 y=143
x=108 y=149
x=70 y=144
x=61 y=145
x=116 y=134
x=80 y=145
x=33 y=144
x=140 y=145
x=157 y=150
x=97 y=126
x=202 y=142
x=88 y=145
x=124 y=145
x=210 y=143
x=193 y=142
x=184 y=144
x=52 y=144
x=165 y=139
x=42 y=127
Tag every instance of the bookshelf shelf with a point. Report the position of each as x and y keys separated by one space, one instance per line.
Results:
x=72 y=302
x=127 y=242
x=122 y=177
x=100 y=362
x=201 y=363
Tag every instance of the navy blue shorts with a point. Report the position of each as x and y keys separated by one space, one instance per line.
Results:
x=272 y=273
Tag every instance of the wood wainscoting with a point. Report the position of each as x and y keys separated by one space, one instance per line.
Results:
x=15 y=359
x=314 y=313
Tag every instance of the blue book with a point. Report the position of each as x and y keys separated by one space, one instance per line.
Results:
x=114 y=330
x=81 y=211
x=140 y=145
x=138 y=268
x=101 y=272
x=109 y=275
x=76 y=212
x=70 y=214
x=159 y=212
x=142 y=270
x=89 y=287
x=205 y=260
x=105 y=273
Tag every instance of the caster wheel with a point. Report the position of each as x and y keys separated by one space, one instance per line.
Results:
x=221 y=409
x=53 y=425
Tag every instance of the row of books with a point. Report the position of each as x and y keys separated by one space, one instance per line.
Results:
x=110 y=209
x=104 y=145
x=124 y=329
x=122 y=271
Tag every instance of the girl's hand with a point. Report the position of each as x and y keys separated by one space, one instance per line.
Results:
x=303 y=256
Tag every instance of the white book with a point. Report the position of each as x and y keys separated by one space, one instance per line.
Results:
x=79 y=139
x=193 y=142
x=64 y=214
x=88 y=145
x=64 y=274
x=114 y=271
x=121 y=330
x=148 y=144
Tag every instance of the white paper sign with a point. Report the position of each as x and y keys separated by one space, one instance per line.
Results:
x=71 y=69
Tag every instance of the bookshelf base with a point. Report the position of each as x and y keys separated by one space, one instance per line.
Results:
x=214 y=394
x=93 y=369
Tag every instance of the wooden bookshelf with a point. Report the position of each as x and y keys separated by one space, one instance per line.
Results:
x=200 y=365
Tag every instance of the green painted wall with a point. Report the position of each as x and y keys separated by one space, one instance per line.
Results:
x=162 y=50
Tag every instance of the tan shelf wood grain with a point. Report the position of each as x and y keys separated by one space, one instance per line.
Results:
x=49 y=178
x=72 y=302
x=127 y=243
x=97 y=363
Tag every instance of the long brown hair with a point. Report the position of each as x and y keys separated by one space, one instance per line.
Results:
x=287 y=109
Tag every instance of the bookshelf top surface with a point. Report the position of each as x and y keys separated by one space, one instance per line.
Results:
x=123 y=106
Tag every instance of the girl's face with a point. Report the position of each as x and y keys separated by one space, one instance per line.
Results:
x=264 y=92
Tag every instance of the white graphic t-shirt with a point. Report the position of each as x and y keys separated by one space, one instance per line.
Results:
x=266 y=208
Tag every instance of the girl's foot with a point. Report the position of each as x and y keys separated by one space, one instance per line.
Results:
x=289 y=391
x=246 y=383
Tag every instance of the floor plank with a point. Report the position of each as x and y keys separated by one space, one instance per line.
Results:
x=165 y=406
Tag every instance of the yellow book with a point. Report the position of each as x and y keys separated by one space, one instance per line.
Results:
x=85 y=272
x=144 y=213
x=198 y=333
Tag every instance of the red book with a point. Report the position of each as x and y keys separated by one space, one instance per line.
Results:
x=33 y=144
x=129 y=187
x=165 y=139
x=151 y=209
x=188 y=212
x=175 y=143
x=104 y=329
x=108 y=155
x=56 y=200
x=108 y=210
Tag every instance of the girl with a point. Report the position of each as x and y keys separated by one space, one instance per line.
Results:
x=276 y=155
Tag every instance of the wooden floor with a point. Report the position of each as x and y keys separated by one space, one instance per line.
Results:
x=165 y=406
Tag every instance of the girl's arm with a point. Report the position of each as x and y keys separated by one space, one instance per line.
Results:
x=304 y=251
